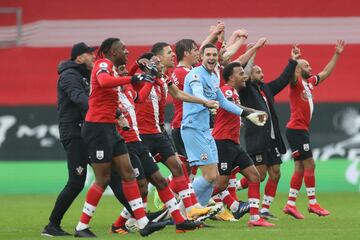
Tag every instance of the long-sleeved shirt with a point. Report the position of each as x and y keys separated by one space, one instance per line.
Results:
x=203 y=84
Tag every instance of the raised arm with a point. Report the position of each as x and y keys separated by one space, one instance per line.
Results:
x=250 y=64
x=243 y=59
x=214 y=32
x=325 y=73
x=288 y=75
x=236 y=40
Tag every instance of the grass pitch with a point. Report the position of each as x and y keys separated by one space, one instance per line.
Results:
x=24 y=216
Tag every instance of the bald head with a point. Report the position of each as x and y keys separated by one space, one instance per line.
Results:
x=257 y=74
x=303 y=68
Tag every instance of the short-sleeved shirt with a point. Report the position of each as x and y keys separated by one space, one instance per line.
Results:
x=227 y=124
x=301 y=103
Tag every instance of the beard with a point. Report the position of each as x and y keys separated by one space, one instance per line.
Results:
x=305 y=75
x=259 y=81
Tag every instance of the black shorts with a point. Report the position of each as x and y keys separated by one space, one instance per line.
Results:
x=103 y=142
x=141 y=160
x=299 y=141
x=178 y=142
x=231 y=155
x=270 y=157
x=158 y=143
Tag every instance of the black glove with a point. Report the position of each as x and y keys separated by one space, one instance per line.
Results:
x=135 y=79
x=147 y=67
x=142 y=77
x=144 y=60
x=148 y=78
x=154 y=71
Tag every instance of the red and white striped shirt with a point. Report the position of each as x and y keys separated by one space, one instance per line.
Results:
x=178 y=77
x=127 y=95
x=301 y=103
x=148 y=112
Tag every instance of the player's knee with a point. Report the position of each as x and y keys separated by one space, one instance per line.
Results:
x=103 y=183
x=222 y=186
x=275 y=175
x=128 y=176
x=299 y=167
x=254 y=177
x=309 y=164
x=262 y=177
x=143 y=190
x=174 y=166
x=210 y=176
x=159 y=181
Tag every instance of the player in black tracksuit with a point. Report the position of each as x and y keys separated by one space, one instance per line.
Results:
x=265 y=144
x=72 y=104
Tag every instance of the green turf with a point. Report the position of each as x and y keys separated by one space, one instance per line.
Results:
x=23 y=217
x=49 y=177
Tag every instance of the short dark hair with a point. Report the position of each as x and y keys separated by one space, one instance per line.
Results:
x=208 y=45
x=182 y=46
x=147 y=55
x=106 y=46
x=158 y=47
x=229 y=70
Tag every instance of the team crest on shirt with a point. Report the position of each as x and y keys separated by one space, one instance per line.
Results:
x=258 y=158
x=306 y=147
x=100 y=154
x=223 y=166
x=204 y=156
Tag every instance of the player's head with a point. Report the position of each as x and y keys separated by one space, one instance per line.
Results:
x=151 y=59
x=115 y=50
x=209 y=55
x=165 y=53
x=234 y=75
x=257 y=74
x=83 y=54
x=222 y=51
x=187 y=50
x=122 y=71
x=303 y=69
